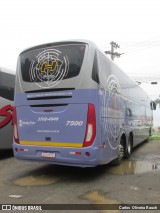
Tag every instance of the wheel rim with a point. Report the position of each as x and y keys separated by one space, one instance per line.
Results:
x=121 y=151
x=129 y=147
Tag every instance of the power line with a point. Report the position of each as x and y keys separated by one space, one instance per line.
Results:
x=133 y=47
x=153 y=42
x=133 y=42
x=140 y=49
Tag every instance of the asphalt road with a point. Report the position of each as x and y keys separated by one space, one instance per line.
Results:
x=135 y=181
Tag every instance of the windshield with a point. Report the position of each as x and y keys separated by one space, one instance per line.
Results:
x=50 y=65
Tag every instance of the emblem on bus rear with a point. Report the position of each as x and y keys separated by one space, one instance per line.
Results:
x=49 y=68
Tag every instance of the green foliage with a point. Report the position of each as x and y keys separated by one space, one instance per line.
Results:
x=155 y=136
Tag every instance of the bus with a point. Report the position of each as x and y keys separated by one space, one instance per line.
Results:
x=7 y=84
x=75 y=107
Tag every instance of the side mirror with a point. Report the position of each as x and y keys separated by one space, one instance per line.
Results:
x=153 y=105
x=128 y=112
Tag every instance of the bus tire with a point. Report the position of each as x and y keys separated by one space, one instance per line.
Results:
x=149 y=135
x=129 y=147
x=120 y=157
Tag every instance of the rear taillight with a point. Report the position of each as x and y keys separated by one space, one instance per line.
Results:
x=15 y=128
x=90 y=127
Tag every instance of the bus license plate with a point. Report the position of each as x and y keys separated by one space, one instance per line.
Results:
x=48 y=155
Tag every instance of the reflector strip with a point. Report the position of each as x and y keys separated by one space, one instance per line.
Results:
x=39 y=143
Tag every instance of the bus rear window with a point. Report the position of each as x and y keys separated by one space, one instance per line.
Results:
x=52 y=64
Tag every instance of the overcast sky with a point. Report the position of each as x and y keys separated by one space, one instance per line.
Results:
x=133 y=24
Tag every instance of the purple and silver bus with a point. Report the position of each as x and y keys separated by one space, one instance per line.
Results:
x=74 y=106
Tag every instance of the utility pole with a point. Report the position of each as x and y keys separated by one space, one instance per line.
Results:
x=113 y=54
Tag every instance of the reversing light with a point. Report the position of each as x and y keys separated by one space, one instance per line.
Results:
x=90 y=127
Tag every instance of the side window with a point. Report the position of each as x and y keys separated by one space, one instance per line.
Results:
x=104 y=69
x=95 y=70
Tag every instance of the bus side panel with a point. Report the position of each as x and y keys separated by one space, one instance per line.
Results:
x=112 y=124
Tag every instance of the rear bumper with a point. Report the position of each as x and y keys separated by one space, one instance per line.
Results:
x=63 y=156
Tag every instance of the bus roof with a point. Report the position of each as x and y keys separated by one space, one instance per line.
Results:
x=77 y=41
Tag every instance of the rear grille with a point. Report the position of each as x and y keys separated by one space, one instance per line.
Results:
x=49 y=97
x=48 y=105
x=49 y=90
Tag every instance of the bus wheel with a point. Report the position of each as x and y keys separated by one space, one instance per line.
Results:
x=120 y=157
x=129 y=148
x=149 y=135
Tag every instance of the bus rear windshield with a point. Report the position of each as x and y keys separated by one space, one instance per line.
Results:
x=52 y=64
